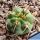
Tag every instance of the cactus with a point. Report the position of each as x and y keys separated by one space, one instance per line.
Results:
x=19 y=21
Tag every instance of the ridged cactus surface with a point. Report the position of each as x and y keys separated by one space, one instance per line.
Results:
x=19 y=21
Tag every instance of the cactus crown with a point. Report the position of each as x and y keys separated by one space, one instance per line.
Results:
x=19 y=21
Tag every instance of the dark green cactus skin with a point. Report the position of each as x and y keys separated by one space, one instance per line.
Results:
x=19 y=21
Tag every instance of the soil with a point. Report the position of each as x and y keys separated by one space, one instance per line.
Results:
x=7 y=5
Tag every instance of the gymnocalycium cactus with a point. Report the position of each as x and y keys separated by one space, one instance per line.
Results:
x=19 y=21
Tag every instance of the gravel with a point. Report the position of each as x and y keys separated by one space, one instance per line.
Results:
x=7 y=5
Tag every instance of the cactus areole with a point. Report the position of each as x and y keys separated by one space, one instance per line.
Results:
x=19 y=21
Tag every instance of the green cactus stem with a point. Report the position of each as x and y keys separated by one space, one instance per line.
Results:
x=19 y=21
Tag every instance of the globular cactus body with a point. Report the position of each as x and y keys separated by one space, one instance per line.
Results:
x=19 y=21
